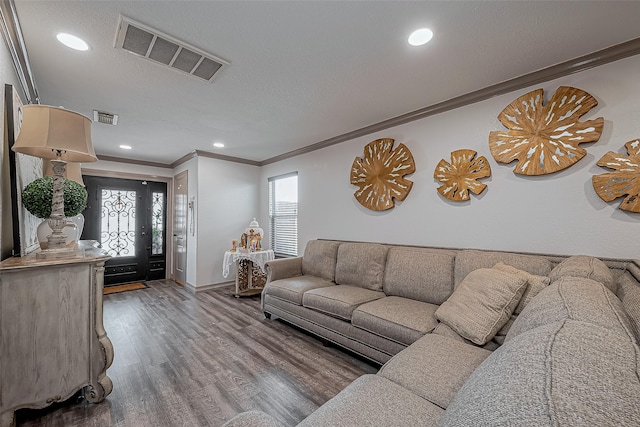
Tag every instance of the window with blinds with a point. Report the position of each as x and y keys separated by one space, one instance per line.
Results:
x=283 y=214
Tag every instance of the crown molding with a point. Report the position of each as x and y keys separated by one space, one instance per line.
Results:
x=12 y=33
x=211 y=155
x=183 y=159
x=125 y=175
x=133 y=161
x=202 y=153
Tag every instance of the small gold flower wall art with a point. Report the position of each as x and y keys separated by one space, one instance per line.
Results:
x=380 y=174
x=545 y=138
x=624 y=180
x=461 y=175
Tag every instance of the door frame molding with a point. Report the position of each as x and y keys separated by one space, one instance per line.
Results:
x=185 y=173
x=142 y=177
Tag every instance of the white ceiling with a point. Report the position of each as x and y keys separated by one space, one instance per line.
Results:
x=301 y=71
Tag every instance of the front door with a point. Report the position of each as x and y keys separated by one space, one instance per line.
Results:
x=128 y=218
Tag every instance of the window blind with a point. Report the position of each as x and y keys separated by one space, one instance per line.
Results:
x=283 y=214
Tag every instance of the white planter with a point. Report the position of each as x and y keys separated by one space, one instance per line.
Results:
x=73 y=231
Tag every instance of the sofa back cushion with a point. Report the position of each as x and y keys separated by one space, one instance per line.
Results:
x=469 y=260
x=572 y=298
x=419 y=274
x=587 y=267
x=320 y=259
x=566 y=373
x=361 y=264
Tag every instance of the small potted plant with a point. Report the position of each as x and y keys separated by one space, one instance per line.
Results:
x=37 y=197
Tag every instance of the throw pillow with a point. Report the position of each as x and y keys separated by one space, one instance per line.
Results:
x=482 y=303
x=587 y=267
x=534 y=284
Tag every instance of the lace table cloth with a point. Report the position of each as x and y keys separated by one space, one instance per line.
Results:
x=258 y=258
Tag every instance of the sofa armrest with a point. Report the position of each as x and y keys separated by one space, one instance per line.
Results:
x=253 y=419
x=283 y=268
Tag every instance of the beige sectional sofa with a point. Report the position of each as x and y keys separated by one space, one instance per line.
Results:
x=547 y=340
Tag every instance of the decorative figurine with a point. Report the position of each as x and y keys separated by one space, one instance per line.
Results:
x=234 y=245
x=243 y=243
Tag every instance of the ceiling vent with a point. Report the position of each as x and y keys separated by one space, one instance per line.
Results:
x=163 y=49
x=105 y=118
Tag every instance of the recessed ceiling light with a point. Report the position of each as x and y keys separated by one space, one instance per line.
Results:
x=72 y=41
x=420 y=37
x=125 y=147
x=218 y=144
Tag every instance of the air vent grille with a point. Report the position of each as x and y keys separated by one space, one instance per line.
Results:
x=165 y=50
x=105 y=118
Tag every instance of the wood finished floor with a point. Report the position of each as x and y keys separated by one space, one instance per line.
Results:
x=197 y=360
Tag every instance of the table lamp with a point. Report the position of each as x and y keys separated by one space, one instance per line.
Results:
x=62 y=136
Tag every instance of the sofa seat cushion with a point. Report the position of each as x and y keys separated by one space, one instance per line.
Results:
x=587 y=267
x=292 y=289
x=470 y=259
x=434 y=367
x=573 y=298
x=335 y=330
x=372 y=400
x=566 y=373
x=339 y=300
x=482 y=304
x=420 y=274
x=361 y=264
x=398 y=319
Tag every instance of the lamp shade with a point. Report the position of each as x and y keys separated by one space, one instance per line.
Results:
x=55 y=133
x=73 y=171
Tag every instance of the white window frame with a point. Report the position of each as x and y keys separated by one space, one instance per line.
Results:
x=283 y=221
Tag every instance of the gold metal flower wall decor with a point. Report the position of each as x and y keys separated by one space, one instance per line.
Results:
x=379 y=175
x=461 y=175
x=624 y=181
x=545 y=139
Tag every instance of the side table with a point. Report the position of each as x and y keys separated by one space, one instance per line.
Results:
x=250 y=274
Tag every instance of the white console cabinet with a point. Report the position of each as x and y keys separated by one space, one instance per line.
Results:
x=52 y=339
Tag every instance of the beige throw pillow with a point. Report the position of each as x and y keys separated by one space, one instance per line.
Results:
x=534 y=284
x=482 y=303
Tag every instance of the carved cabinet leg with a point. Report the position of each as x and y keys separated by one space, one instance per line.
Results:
x=98 y=390
x=100 y=385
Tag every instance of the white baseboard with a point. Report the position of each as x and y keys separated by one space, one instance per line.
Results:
x=195 y=289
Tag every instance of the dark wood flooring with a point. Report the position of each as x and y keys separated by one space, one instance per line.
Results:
x=197 y=360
